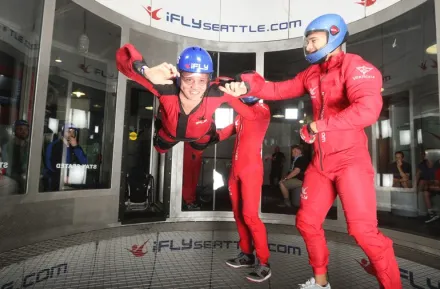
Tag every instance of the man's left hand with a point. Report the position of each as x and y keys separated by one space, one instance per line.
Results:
x=235 y=89
x=73 y=142
x=307 y=133
x=313 y=127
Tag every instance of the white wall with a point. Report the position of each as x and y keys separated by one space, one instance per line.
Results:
x=154 y=50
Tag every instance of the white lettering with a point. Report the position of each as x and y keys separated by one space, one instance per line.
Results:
x=364 y=70
x=3 y=165
x=201 y=67
x=363 y=77
x=304 y=195
x=72 y=166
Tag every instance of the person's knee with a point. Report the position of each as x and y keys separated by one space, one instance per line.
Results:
x=367 y=235
x=282 y=186
x=303 y=224
x=251 y=218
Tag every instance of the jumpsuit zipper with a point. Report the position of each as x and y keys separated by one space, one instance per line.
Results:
x=321 y=116
x=238 y=140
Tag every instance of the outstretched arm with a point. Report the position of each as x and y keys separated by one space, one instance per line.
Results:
x=254 y=84
x=226 y=132
x=159 y=79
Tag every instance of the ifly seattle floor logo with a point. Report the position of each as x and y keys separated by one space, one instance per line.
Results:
x=174 y=18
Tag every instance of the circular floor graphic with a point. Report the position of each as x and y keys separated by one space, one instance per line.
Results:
x=184 y=259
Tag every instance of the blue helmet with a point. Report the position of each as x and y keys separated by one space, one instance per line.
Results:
x=250 y=100
x=68 y=126
x=196 y=60
x=21 y=122
x=337 y=33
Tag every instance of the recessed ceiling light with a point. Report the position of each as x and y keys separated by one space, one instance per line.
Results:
x=432 y=49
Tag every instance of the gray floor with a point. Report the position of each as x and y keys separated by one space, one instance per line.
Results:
x=190 y=255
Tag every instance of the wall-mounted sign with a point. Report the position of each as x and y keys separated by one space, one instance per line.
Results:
x=240 y=21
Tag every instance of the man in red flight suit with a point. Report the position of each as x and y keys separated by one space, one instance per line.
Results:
x=346 y=95
x=187 y=97
x=245 y=182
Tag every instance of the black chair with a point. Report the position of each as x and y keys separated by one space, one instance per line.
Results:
x=139 y=191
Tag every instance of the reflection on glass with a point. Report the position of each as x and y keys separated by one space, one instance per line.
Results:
x=79 y=117
x=291 y=113
x=20 y=31
x=283 y=168
x=393 y=143
x=230 y=65
x=223 y=117
x=407 y=133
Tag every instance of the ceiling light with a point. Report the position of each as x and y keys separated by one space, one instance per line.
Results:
x=432 y=49
x=291 y=113
x=149 y=108
x=301 y=121
x=78 y=93
x=96 y=106
x=278 y=115
x=58 y=60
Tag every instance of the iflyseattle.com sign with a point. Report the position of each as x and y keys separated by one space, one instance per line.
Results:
x=193 y=23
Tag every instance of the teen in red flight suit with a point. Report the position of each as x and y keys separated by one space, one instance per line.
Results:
x=187 y=100
x=245 y=182
x=346 y=95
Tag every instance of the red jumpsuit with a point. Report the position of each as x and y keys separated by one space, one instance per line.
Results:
x=173 y=124
x=192 y=163
x=346 y=98
x=246 y=177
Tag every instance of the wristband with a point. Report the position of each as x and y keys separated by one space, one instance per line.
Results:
x=143 y=68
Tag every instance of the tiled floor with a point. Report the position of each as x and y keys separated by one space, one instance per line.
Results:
x=178 y=256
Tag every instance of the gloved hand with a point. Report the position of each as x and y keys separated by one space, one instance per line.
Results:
x=307 y=134
x=139 y=66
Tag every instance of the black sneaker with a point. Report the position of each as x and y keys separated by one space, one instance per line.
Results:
x=191 y=207
x=242 y=261
x=432 y=217
x=261 y=273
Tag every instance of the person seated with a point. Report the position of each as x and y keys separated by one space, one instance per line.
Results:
x=428 y=185
x=294 y=179
x=401 y=171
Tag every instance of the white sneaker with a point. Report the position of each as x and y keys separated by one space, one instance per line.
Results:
x=311 y=284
